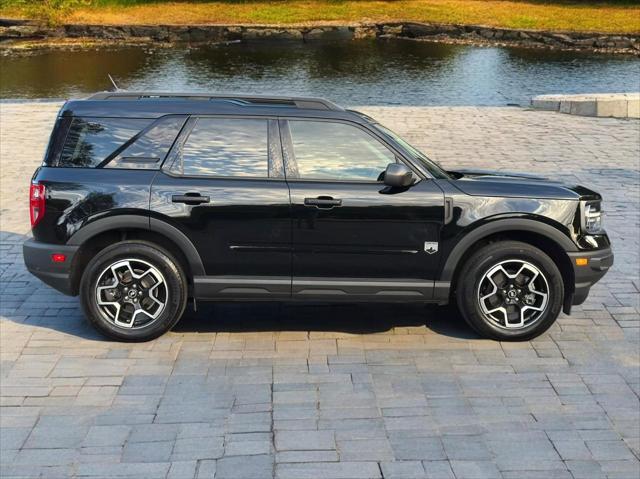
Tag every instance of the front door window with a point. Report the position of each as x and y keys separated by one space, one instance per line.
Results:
x=337 y=151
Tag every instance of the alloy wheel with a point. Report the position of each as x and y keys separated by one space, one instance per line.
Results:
x=131 y=293
x=513 y=294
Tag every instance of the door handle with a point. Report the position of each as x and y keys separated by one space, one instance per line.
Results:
x=190 y=199
x=322 y=202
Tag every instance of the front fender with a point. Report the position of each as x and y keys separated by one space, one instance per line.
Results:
x=498 y=226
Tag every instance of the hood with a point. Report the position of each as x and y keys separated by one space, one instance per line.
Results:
x=519 y=185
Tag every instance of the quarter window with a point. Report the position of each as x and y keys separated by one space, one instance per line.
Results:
x=337 y=151
x=91 y=140
x=224 y=147
x=149 y=149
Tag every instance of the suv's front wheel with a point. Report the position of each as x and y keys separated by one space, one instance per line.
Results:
x=133 y=291
x=510 y=291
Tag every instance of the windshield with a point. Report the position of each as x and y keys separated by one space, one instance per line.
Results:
x=431 y=166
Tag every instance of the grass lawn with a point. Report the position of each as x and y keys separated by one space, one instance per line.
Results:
x=578 y=15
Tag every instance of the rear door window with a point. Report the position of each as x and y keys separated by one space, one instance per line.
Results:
x=225 y=147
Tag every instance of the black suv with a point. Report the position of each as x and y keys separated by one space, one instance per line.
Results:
x=145 y=200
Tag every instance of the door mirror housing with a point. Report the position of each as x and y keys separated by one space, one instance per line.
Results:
x=398 y=175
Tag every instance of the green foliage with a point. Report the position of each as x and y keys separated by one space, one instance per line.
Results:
x=51 y=12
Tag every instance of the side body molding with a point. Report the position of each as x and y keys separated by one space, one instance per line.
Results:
x=144 y=223
x=507 y=224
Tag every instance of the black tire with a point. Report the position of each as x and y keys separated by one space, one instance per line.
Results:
x=508 y=254
x=165 y=271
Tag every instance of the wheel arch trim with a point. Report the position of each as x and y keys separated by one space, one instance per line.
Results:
x=113 y=223
x=498 y=226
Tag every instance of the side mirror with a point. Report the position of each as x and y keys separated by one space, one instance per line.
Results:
x=398 y=175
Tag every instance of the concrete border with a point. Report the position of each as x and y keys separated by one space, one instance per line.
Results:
x=616 y=105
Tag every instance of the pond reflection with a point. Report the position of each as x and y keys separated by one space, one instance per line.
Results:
x=355 y=72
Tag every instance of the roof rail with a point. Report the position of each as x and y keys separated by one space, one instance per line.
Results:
x=240 y=99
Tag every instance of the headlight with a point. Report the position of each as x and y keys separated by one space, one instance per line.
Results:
x=592 y=218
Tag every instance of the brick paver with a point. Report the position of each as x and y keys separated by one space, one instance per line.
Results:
x=349 y=391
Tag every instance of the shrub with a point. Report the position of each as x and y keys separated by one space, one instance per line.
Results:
x=51 y=12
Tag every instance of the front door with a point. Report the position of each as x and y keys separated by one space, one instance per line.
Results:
x=223 y=186
x=352 y=235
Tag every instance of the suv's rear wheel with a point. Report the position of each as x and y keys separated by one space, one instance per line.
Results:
x=510 y=291
x=133 y=291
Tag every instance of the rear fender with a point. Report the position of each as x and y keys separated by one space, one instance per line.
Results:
x=128 y=222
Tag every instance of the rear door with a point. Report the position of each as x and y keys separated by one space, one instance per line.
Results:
x=352 y=235
x=223 y=186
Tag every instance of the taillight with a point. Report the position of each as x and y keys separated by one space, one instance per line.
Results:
x=36 y=203
x=58 y=257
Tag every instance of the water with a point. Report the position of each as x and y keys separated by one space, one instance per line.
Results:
x=362 y=72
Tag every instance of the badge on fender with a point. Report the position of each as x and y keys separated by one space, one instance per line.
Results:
x=430 y=247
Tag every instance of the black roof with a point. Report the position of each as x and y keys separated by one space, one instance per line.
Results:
x=155 y=104
x=259 y=100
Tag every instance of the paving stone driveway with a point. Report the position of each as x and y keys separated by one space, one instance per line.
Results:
x=308 y=391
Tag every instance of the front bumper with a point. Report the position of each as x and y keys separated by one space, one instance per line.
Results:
x=598 y=263
x=37 y=258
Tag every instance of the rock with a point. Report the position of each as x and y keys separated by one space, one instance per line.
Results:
x=108 y=32
x=550 y=40
x=146 y=31
x=328 y=34
x=11 y=22
x=8 y=32
x=417 y=30
x=178 y=34
x=75 y=31
x=395 y=30
x=510 y=34
x=473 y=35
x=563 y=38
x=206 y=33
x=198 y=34
x=583 y=42
x=449 y=29
x=21 y=31
x=220 y=33
x=289 y=34
x=233 y=33
x=486 y=33
x=623 y=43
x=365 y=31
x=313 y=34
x=56 y=32
x=600 y=42
x=161 y=35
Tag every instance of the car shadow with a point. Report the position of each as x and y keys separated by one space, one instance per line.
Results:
x=354 y=318
x=42 y=307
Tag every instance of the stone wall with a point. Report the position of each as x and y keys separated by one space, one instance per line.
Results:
x=417 y=31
